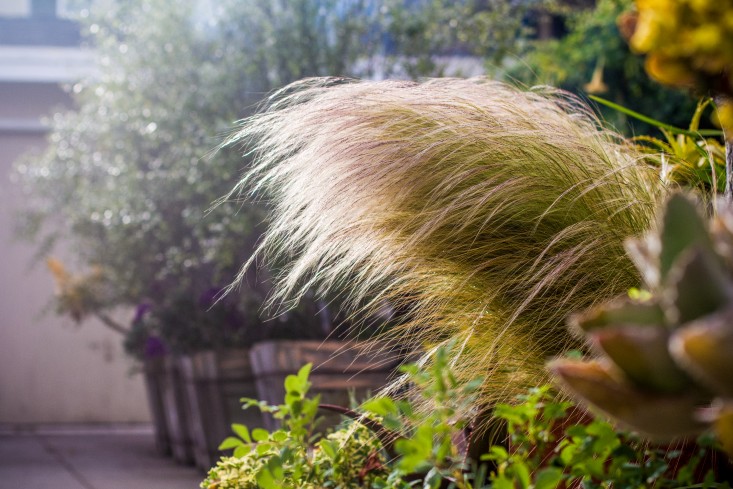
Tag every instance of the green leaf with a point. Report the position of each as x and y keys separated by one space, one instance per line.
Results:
x=304 y=372
x=410 y=369
x=266 y=481
x=329 y=449
x=279 y=436
x=296 y=405
x=230 y=442
x=555 y=410
x=260 y=435
x=382 y=406
x=496 y=453
x=595 y=467
x=262 y=448
x=521 y=472
x=293 y=385
x=274 y=466
x=502 y=482
x=682 y=227
x=432 y=479
x=242 y=431
x=567 y=454
x=405 y=407
x=548 y=478
x=241 y=451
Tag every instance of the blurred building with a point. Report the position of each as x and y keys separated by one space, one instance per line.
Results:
x=50 y=370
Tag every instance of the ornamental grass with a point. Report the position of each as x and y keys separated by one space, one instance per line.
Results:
x=483 y=213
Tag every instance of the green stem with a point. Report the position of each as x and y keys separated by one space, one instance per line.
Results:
x=654 y=122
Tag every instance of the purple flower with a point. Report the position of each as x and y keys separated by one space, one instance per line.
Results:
x=154 y=347
x=142 y=309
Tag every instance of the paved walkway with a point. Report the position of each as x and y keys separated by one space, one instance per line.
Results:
x=89 y=458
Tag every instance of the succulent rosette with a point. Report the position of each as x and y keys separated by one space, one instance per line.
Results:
x=665 y=362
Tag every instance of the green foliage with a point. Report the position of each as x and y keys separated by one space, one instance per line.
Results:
x=275 y=42
x=125 y=181
x=422 y=31
x=128 y=180
x=426 y=430
x=296 y=455
x=593 y=43
x=550 y=444
x=547 y=451
x=685 y=156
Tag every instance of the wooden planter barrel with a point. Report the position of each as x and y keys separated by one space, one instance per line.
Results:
x=176 y=412
x=338 y=368
x=154 y=374
x=215 y=381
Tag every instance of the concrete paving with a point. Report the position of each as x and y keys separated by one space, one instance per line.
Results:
x=88 y=458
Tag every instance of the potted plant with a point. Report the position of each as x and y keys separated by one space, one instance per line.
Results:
x=209 y=366
x=126 y=183
x=394 y=442
x=346 y=369
x=142 y=344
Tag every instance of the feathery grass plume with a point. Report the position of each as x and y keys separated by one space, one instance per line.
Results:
x=486 y=212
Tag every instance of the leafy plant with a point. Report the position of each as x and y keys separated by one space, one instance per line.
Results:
x=684 y=156
x=594 y=58
x=393 y=443
x=423 y=433
x=422 y=34
x=404 y=446
x=296 y=455
x=548 y=450
x=124 y=182
x=128 y=182
x=665 y=367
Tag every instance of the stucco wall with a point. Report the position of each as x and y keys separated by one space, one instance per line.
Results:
x=51 y=371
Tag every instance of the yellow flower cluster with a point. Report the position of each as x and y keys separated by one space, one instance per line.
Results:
x=689 y=43
x=685 y=38
x=76 y=296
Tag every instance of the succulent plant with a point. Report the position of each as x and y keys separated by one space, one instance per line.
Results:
x=665 y=365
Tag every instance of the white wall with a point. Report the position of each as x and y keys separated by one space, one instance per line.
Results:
x=51 y=371
x=15 y=8
x=22 y=8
